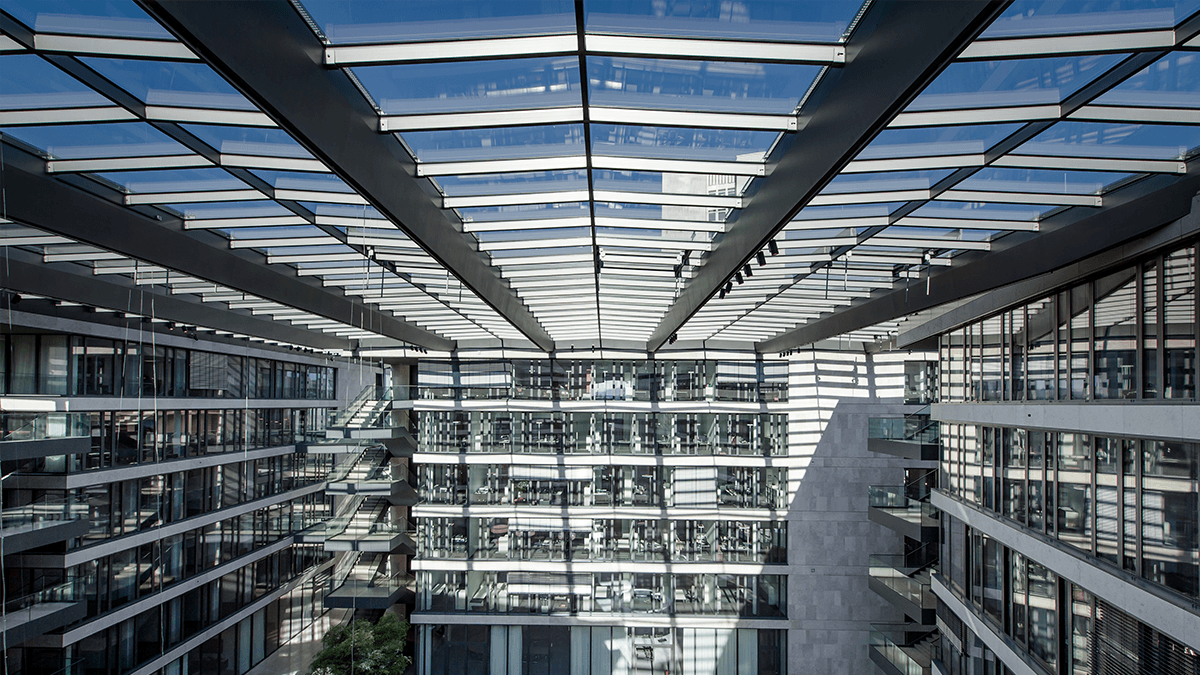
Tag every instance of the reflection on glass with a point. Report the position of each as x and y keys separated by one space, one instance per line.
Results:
x=114 y=18
x=723 y=145
x=28 y=82
x=171 y=83
x=1055 y=17
x=462 y=86
x=95 y=141
x=936 y=141
x=1114 y=140
x=704 y=86
x=1019 y=82
x=456 y=145
x=375 y=21
x=783 y=20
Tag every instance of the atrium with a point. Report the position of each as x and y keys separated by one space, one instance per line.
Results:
x=644 y=337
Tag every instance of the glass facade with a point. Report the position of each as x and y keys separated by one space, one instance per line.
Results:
x=518 y=508
x=1131 y=334
x=191 y=512
x=74 y=365
x=570 y=380
x=604 y=432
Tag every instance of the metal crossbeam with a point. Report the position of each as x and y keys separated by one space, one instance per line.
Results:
x=896 y=50
x=25 y=273
x=266 y=50
x=50 y=204
x=1066 y=240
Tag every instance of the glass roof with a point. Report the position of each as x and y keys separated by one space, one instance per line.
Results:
x=595 y=173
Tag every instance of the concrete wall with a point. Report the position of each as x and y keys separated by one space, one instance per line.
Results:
x=830 y=606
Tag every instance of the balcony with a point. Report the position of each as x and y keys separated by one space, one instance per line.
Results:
x=894 y=508
x=370 y=473
x=43 y=611
x=377 y=413
x=365 y=585
x=46 y=521
x=905 y=582
x=914 y=437
x=31 y=435
x=362 y=524
x=903 y=649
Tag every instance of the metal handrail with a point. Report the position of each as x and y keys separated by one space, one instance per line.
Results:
x=46 y=509
x=67 y=591
x=892 y=572
x=882 y=641
x=24 y=426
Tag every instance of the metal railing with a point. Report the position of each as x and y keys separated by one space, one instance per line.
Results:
x=895 y=572
x=890 y=641
x=43 y=426
x=896 y=497
x=67 y=591
x=44 y=510
x=904 y=429
x=369 y=398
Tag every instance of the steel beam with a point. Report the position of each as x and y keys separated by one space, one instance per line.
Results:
x=25 y=273
x=897 y=49
x=267 y=51
x=50 y=204
x=1030 y=289
x=1067 y=239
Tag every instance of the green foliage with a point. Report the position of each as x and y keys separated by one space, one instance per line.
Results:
x=363 y=648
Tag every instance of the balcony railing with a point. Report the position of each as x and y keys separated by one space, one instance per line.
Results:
x=905 y=646
x=45 y=510
x=24 y=607
x=897 y=573
x=912 y=429
x=44 y=426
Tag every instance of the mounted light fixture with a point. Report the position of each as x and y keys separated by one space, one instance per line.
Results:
x=773 y=247
x=738 y=278
x=762 y=259
x=748 y=271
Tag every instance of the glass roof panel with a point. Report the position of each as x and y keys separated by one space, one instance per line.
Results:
x=504 y=84
x=1015 y=82
x=847 y=211
x=1041 y=181
x=708 y=86
x=369 y=214
x=1064 y=17
x=171 y=83
x=724 y=145
x=652 y=211
x=981 y=211
x=512 y=183
x=377 y=21
x=782 y=20
x=112 y=18
x=92 y=141
x=524 y=212
x=886 y=181
x=209 y=210
x=303 y=180
x=670 y=183
x=1116 y=140
x=28 y=82
x=937 y=232
x=281 y=233
x=554 y=140
x=178 y=180
x=936 y=141
x=248 y=141
x=1170 y=82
